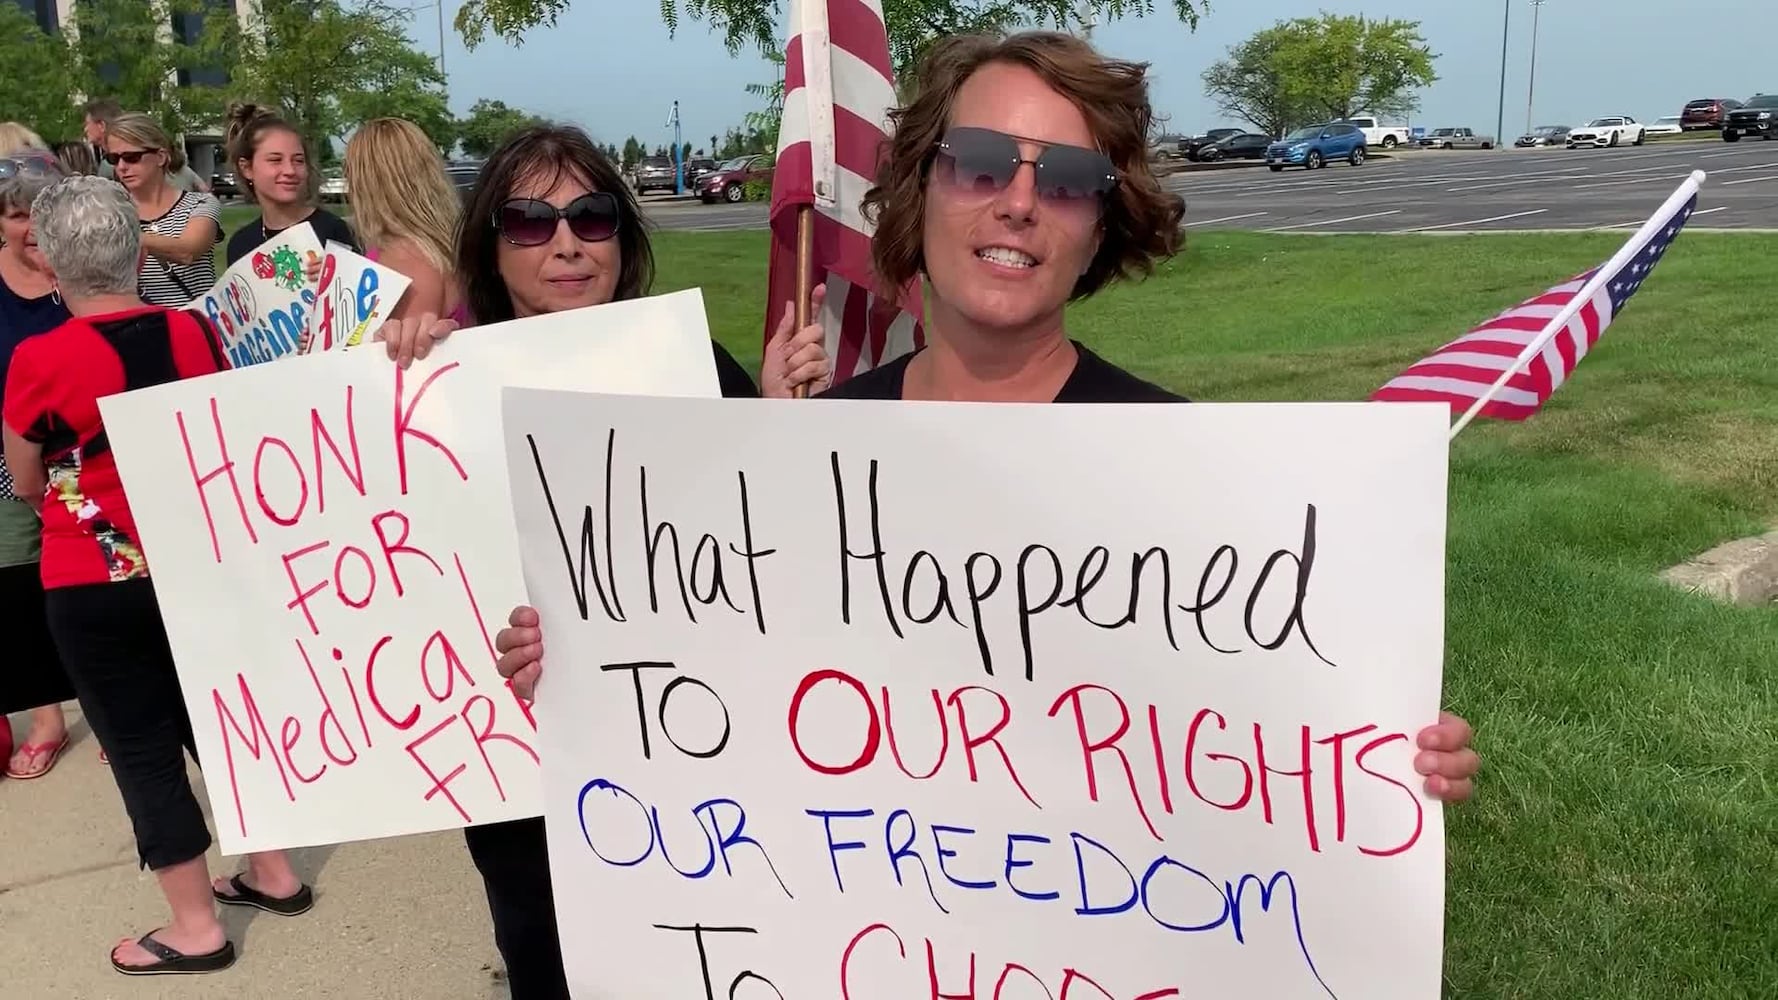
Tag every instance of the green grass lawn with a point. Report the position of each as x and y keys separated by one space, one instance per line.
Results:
x=1624 y=839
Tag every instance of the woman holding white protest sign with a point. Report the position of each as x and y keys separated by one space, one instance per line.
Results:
x=407 y=212
x=1004 y=250
x=29 y=306
x=273 y=165
x=551 y=226
x=180 y=229
x=101 y=602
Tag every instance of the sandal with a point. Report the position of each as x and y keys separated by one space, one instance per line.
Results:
x=293 y=905
x=176 y=963
x=32 y=751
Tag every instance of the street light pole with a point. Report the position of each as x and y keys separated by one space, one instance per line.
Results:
x=1505 y=36
x=1531 y=88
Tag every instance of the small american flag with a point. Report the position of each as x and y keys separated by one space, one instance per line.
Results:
x=838 y=90
x=1513 y=363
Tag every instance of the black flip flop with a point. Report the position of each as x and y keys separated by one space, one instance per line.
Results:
x=245 y=895
x=176 y=963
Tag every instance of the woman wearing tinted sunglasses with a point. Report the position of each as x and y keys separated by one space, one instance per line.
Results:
x=551 y=226
x=180 y=229
x=1016 y=182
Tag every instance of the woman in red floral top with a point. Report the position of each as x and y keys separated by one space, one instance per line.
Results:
x=100 y=600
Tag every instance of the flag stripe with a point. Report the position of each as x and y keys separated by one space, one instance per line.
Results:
x=1465 y=369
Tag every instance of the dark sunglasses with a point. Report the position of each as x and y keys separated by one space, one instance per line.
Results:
x=984 y=161
x=528 y=222
x=131 y=156
x=29 y=166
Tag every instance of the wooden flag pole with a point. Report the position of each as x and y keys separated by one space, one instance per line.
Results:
x=805 y=250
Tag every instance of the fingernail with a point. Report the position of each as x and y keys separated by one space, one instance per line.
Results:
x=1426 y=763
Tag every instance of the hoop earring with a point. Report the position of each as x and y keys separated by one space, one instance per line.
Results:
x=55 y=295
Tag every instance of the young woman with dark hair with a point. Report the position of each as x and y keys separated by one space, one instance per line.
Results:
x=551 y=226
x=273 y=167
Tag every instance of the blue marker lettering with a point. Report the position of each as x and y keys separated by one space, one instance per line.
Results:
x=1086 y=908
x=660 y=837
x=725 y=840
x=1011 y=863
x=1166 y=862
x=827 y=817
x=906 y=850
x=367 y=293
x=944 y=852
x=285 y=332
x=601 y=785
x=1233 y=894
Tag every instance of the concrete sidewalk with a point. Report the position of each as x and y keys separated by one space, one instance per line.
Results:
x=398 y=919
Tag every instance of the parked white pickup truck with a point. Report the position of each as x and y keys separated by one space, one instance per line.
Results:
x=1378 y=134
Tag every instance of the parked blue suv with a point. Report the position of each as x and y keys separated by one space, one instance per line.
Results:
x=1315 y=145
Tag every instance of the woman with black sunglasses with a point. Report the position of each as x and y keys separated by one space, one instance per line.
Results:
x=551 y=226
x=180 y=229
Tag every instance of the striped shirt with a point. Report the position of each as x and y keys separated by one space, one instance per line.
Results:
x=165 y=283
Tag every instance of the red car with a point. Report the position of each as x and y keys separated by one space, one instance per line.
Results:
x=1707 y=113
x=728 y=182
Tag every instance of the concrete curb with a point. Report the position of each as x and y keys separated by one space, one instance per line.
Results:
x=1743 y=572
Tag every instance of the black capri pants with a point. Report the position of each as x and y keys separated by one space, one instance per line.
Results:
x=115 y=650
x=513 y=858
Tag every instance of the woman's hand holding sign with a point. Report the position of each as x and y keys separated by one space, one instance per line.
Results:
x=794 y=357
x=521 y=651
x=411 y=338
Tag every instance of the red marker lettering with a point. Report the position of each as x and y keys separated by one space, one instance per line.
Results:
x=944 y=735
x=452 y=662
x=1338 y=742
x=302 y=596
x=846 y=956
x=485 y=733
x=225 y=720
x=932 y=977
x=1306 y=775
x=201 y=480
x=439 y=784
x=400 y=545
x=1419 y=810
x=1088 y=746
x=339 y=583
x=1072 y=976
x=354 y=472
x=288 y=736
x=370 y=688
x=991 y=736
x=873 y=735
x=302 y=482
x=404 y=429
x=327 y=713
x=1191 y=761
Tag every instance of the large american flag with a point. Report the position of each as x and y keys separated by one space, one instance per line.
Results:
x=838 y=90
x=1541 y=340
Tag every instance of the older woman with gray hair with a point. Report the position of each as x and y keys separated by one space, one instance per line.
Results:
x=100 y=600
x=29 y=306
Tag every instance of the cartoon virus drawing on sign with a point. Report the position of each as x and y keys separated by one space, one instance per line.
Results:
x=287 y=268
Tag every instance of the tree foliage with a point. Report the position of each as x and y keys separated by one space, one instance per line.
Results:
x=328 y=67
x=39 y=84
x=489 y=123
x=118 y=48
x=912 y=24
x=1327 y=67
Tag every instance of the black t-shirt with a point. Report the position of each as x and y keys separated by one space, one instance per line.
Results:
x=1094 y=380
x=327 y=226
x=735 y=382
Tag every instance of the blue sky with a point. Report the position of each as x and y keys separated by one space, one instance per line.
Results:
x=610 y=65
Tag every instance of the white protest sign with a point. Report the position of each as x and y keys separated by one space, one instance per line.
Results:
x=260 y=305
x=875 y=701
x=333 y=549
x=354 y=297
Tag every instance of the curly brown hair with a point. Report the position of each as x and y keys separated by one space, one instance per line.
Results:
x=1141 y=219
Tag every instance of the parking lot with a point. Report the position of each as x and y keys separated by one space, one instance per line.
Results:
x=1436 y=191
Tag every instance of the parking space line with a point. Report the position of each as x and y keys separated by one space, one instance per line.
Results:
x=1728 y=152
x=1226 y=218
x=1331 y=222
x=1749 y=180
x=1472 y=222
x=1631 y=180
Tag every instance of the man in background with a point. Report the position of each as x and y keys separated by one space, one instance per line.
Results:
x=99 y=112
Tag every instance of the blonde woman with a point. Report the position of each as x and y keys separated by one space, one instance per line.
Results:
x=406 y=212
x=14 y=136
x=180 y=229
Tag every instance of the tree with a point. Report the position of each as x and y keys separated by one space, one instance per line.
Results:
x=1326 y=67
x=118 y=48
x=632 y=152
x=327 y=67
x=912 y=24
x=488 y=125
x=685 y=152
x=39 y=80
